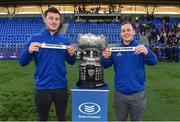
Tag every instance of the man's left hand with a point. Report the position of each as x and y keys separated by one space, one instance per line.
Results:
x=71 y=50
x=141 y=49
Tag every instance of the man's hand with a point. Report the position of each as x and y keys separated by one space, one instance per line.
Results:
x=141 y=49
x=34 y=47
x=106 y=53
x=71 y=50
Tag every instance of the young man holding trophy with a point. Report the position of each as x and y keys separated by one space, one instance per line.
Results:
x=49 y=50
x=129 y=61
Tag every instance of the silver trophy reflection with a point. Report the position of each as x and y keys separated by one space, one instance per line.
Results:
x=90 y=70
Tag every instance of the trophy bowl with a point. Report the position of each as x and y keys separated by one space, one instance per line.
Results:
x=91 y=41
x=90 y=70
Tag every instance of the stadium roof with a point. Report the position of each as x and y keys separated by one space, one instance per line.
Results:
x=43 y=2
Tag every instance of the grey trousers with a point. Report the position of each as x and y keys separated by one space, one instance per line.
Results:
x=129 y=104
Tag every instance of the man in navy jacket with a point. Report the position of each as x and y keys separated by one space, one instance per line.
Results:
x=50 y=75
x=129 y=95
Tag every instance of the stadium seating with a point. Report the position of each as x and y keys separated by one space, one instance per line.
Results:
x=110 y=30
x=15 y=32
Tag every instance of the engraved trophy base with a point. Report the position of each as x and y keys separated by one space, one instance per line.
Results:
x=90 y=84
x=90 y=76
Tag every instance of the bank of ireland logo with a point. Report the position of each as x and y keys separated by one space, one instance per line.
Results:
x=89 y=108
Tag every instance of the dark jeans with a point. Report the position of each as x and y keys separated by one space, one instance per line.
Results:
x=175 y=53
x=168 y=52
x=44 y=99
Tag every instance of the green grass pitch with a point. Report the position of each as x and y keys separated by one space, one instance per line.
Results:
x=17 y=91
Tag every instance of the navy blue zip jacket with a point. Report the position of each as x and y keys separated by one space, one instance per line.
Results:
x=129 y=69
x=50 y=70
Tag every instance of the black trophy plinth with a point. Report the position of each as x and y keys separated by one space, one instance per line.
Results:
x=90 y=76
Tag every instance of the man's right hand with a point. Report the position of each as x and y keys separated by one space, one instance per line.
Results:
x=34 y=47
x=106 y=53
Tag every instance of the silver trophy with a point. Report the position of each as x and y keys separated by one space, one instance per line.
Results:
x=90 y=70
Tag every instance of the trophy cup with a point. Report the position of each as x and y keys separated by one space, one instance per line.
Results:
x=90 y=70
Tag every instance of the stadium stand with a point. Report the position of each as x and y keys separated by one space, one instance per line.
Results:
x=110 y=30
x=15 y=32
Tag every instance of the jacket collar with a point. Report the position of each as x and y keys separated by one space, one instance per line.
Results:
x=131 y=44
x=46 y=32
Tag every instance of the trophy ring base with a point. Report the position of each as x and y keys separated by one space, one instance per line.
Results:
x=90 y=84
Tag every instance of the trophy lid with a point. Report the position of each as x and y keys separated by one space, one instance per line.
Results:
x=91 y=41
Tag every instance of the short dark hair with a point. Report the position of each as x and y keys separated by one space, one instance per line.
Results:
x=127 y=22
x=53 y=10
